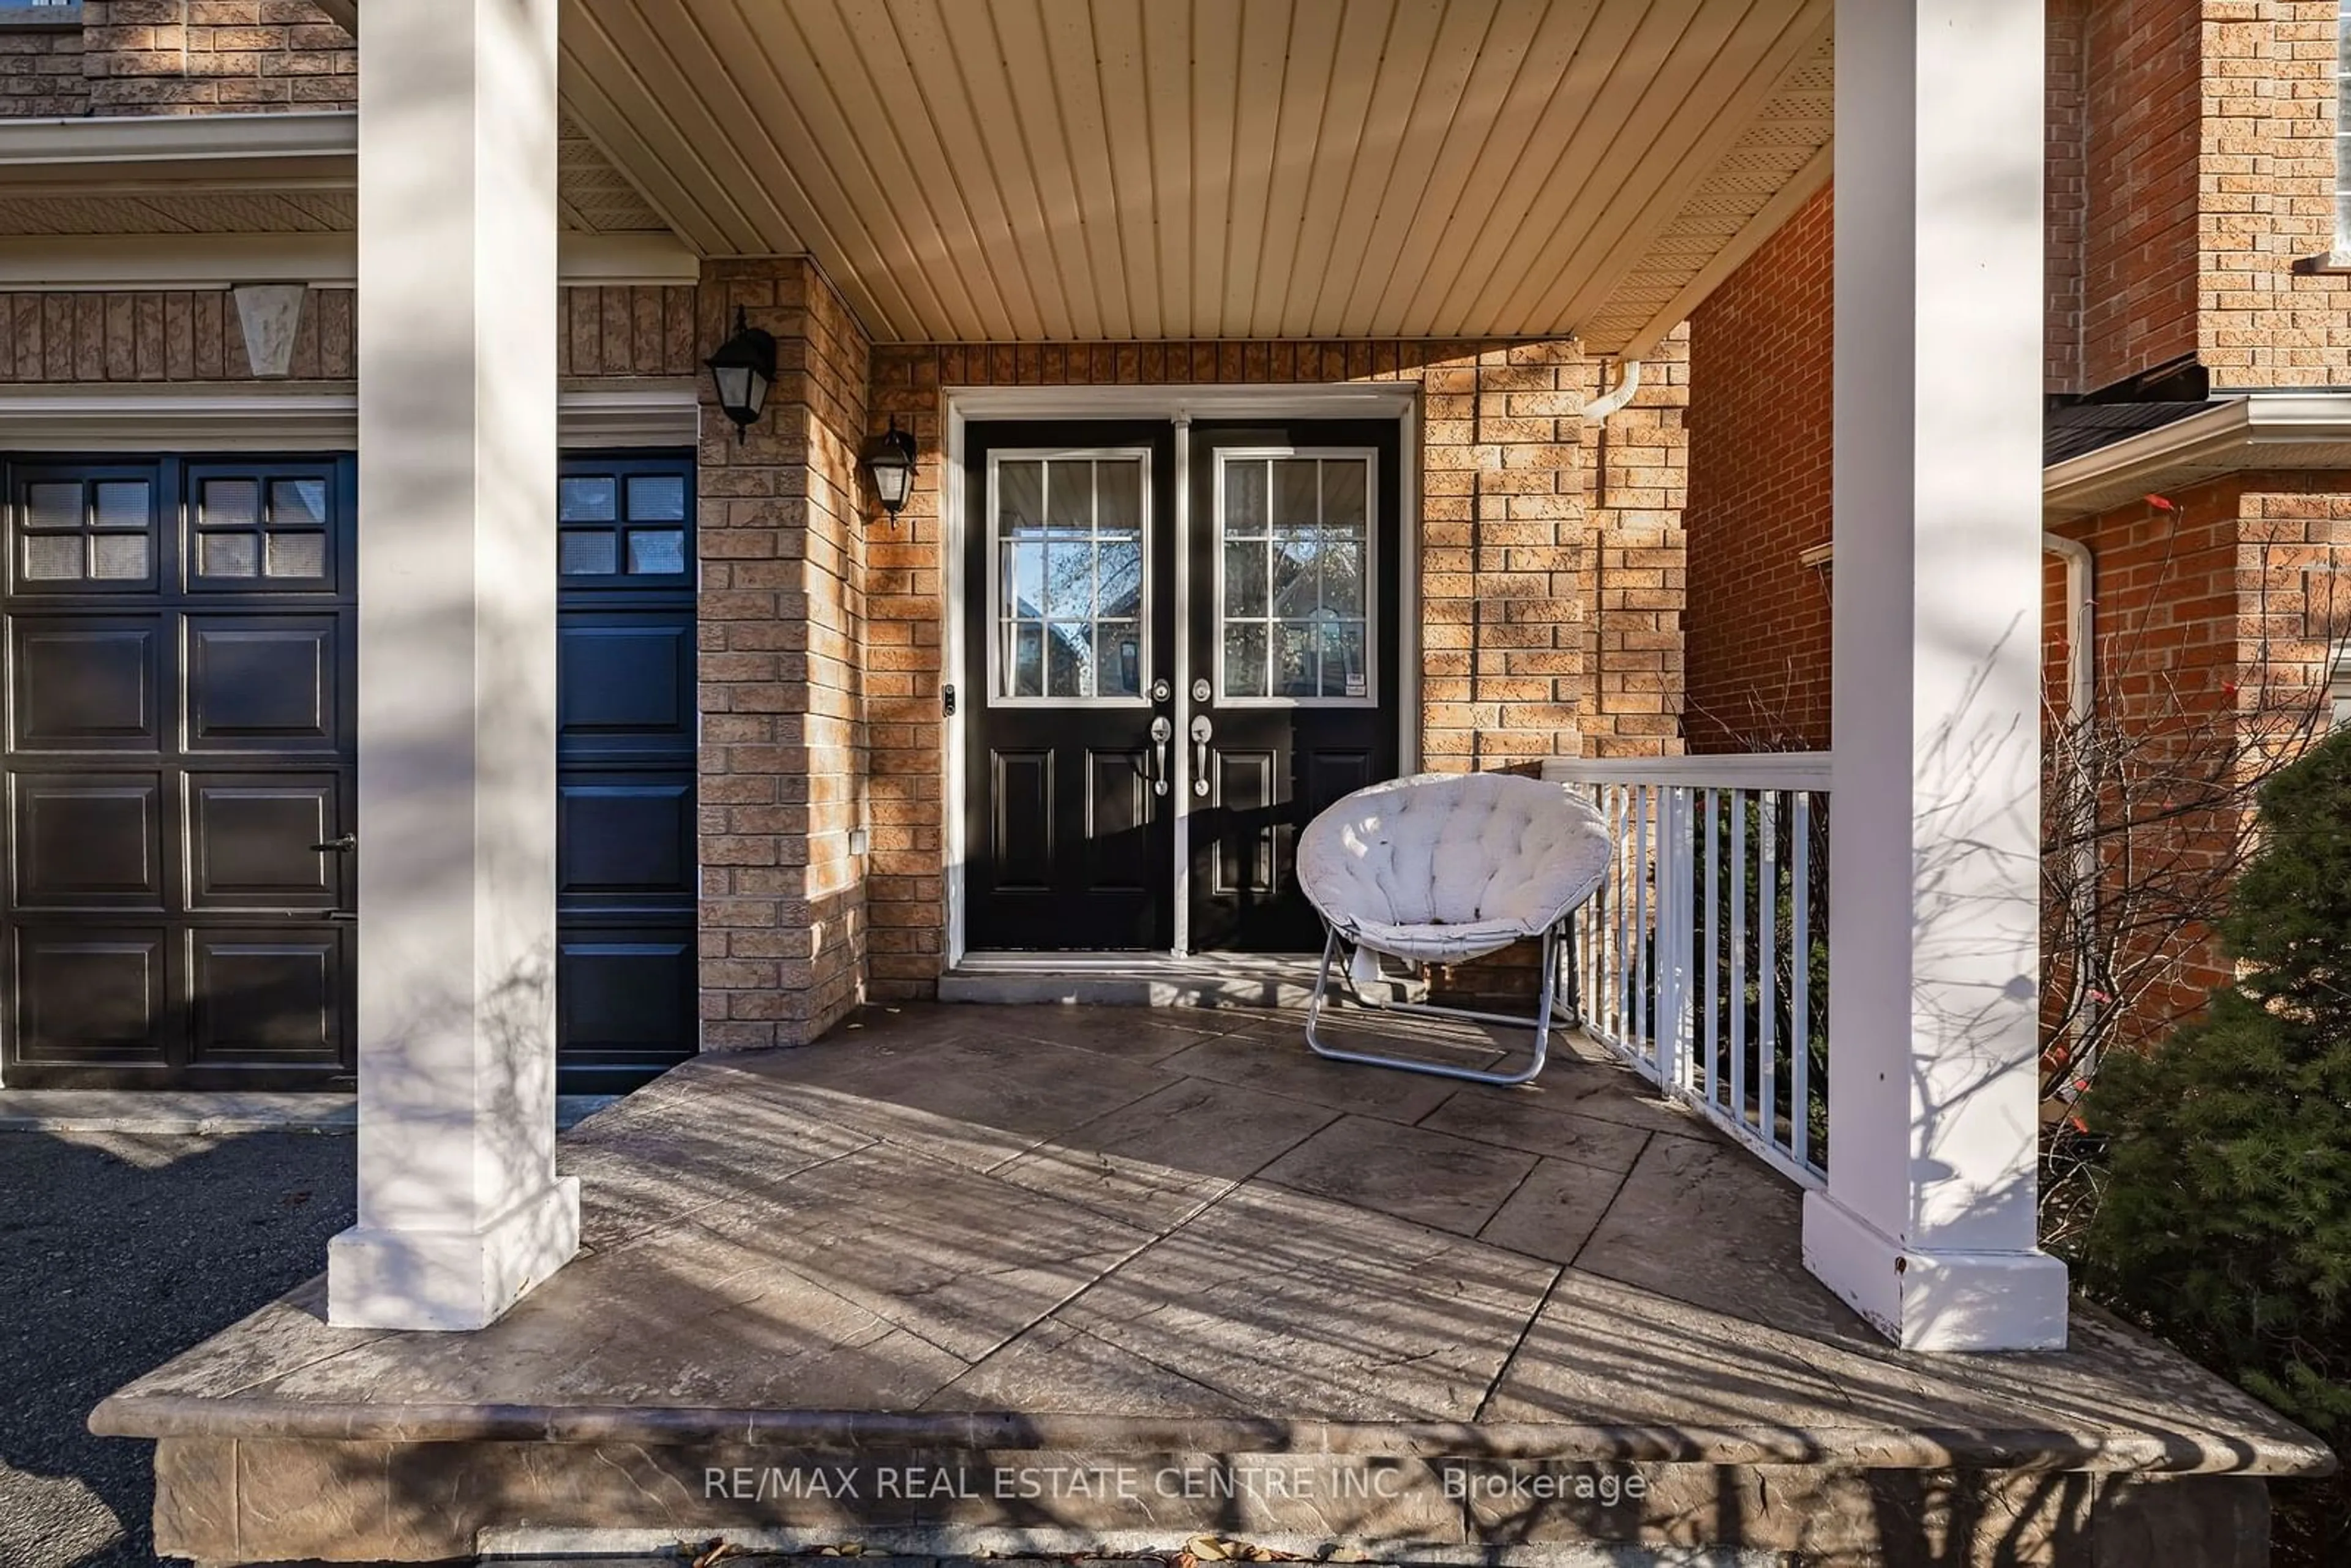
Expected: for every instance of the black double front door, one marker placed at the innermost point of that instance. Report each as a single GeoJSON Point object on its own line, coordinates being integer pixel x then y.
{"type": "Point", "coordinates": [1160, 696]}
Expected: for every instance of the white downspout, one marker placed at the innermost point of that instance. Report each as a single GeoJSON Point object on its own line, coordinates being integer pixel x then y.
{"type": "Point", "coordinates": [2081, 706]}
{"type": "Point", "coordinates": [2081, 625]}
{"type": "Point", "coordinates": [1628, 381]}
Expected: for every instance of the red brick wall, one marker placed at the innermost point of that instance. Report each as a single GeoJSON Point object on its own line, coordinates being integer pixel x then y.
{"type": "Point", "coordinates": [2065, 191]}
{"type": "Point", "coordinates": [1755, 631]}
{"type": "Point", "coordinates": [2140, 150]}
{"type": "Point", "coordinates": [1551, 574]}
{"type": "Point", "coordinates": [159, 335]}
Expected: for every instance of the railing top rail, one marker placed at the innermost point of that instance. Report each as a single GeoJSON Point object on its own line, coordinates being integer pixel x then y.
{"type": "Point", "coordinates": [1807, 771]}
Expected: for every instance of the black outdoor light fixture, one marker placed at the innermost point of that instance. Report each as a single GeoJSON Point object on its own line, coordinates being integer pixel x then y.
{"type": "Point", "coordinates": [890, 458]}
{"type": "Point", "coordinates": [745, 367]}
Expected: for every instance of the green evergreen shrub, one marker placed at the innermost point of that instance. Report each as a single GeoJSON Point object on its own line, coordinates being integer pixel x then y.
{"type": "Point", "coordinates": [2226, 1224]}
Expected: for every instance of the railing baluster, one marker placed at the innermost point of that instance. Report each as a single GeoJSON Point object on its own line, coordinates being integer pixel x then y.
{"type": "Point", "coordinates": [1799, 996]}
{"type": "Point", "coordinates": [1738, 956]}
{"type": "Point", "coordinates": [1713, 938]}
{"type": "Point", "coordinates": [1644, 951]}
{"type": "Point", "coordinates": [1767, 964]}
{"type": "Point", "coordinates": [1643, 939]}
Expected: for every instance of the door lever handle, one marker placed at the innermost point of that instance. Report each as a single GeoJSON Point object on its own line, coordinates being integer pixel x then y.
{"type": "Point", "coordinates": [1162, 729]}
{"type": "Point", "coordinates": [343, 845]}
{"type": "Point", "coordinates": [1201, 730]}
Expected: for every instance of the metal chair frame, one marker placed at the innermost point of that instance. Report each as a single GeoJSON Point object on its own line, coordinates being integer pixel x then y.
{"type": "Point", "coordinates": [1540, 1023]}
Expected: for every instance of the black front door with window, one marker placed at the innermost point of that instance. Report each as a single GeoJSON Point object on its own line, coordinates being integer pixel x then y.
{"type": "Point", "coordinates": [1070, 627]}
{"type": "Point", "coordinates": [1294, 583]}
{"type": "Point", "coordinates": [1134, 695]}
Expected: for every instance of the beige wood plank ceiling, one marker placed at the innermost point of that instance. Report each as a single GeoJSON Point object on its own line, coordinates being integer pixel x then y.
{"type": "Point", "coordinates": [994, 170]}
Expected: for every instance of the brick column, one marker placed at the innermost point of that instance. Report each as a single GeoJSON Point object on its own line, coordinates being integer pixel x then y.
{"type": "Point", "coordinates": [782, 612]}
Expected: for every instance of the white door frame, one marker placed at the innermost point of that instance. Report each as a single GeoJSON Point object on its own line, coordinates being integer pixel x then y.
{"type": "Point", "coordinates": [1180, 405]}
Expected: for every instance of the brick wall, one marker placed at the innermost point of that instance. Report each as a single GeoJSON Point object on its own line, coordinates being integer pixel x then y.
{"type": "Point", "coordinates": [159, 335]}
{"type": "Point", "coordinates": [785, 745]}
{"type": "Point", "coordinates": [1755, 631]}
{"type": "Point", "coordinates": [1551, 570]}
{"type": "Point", "coordinates": [2269, 114]}
{"type": "Point", "coordinates": [2065, 190]}
{"type": "Point", "coordinates": [213, 56]}
{"type": "Point", "coordinates": [41, 71]}
{"type": "Point", "coordinates": [193, 335]}
{"type": "Point", "coordinates": [2139, 156]}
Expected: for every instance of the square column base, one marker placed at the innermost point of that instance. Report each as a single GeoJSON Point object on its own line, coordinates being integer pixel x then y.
{"type": "Point", "coordinates": [1936, 1301]}
{"type": "Point", "coordinates": [451, 1280]}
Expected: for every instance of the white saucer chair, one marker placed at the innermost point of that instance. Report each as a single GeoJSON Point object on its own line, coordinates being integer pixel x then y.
{"type": "Point", "coordinates": [1441, 867]}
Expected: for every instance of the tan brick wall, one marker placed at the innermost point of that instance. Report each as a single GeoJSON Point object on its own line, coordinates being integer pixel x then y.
{"type": "Point", "coordinates": [41, 72]}
{"type": "Point", "coordinates": [1551, 569]}
{"type": "Point", "coordinates": [159, 335]}
{"type": "Point", "coordinates": [215, 57]}
{"type": "Point", "coordinates": [642, 330]}
{"type": "Point", "coordinates": [782, 613]}
{"type": "Point", "coordinates": [2268, 197]}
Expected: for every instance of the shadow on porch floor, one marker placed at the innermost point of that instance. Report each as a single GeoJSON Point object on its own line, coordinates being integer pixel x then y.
{"type": "Point", "coordinates": [1114, 1232]}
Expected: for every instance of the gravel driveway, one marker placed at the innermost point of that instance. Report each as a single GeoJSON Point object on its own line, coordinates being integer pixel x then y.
{"type": "Point", "coordinates": [116, 1252]}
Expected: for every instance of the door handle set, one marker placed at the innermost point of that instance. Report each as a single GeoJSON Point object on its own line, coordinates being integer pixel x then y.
{"type": "Point", "coordinates": [1201, 730]}
{"type": "Point", "coordinates": [1162, 729]}
{"type": "Point", "coordinates": [342, 846]}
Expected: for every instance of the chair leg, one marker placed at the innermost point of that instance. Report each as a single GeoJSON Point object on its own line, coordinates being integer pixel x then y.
{"type": "Point", "coordinates": [1540, 1023]}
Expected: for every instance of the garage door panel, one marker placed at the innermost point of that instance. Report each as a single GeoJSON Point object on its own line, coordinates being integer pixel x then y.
{"type": "Point", "coordinates": [85, 684]}
{"type": "Point", "coordinates": [268, 995]}
{"type": "Point", "coordinates": [264, 682]}
{"type": "Point", "coordinates": [627, 837]}
{"type": "Point", "coordinates": [87, 841]}
{"type": "Point", "coordinates": [626, 993]}
{"type": "Point", "coordinates": [252, 838]}
{"type": "Point", "coordinates": [628, 681]}
{"type": "Point", "coordinates": [93, 996]}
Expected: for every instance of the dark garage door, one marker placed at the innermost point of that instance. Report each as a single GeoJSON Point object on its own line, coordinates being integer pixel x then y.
{"type": "Point", "coordinates": [179, 768]}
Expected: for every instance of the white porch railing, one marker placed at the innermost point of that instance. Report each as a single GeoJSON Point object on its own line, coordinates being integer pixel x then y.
{"type": "Point", "coordinates": [1703, 960]}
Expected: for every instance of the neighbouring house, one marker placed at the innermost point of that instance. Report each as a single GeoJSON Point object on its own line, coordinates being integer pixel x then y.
{"type": "Point", "coordinates": [426, 676]}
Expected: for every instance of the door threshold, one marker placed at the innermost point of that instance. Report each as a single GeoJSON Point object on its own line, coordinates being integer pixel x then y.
{"type": "Point", "coordinates": [1136, 980]}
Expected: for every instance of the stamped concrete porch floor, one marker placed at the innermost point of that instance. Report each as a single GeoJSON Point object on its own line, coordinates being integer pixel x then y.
{"type": "Point", "coordinates": [1105, 1230]}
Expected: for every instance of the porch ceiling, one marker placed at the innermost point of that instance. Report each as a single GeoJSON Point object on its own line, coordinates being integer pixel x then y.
{"type": "Point", "coordinates": [991, 170]}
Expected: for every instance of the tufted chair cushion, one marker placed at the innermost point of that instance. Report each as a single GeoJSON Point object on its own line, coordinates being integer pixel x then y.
{"type": "Point", "coordinates": [1446, 866]}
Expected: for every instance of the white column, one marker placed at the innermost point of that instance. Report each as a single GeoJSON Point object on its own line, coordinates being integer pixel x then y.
{"type": "Point", "coordinates": [460, 1210]}
{"type": "Point", "coordinates": [1927, 1225]}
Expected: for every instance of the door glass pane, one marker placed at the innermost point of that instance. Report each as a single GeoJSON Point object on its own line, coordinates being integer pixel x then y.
{"type": "Point", "coordinates": [53, 558]}
{"type": "Point", "coordinates": [53, 506]}
{"type": "Point", "coordinates": [298, 555]}
{"type": "Point", "coordinates": [1297, 534]}
{"type": "Point", "coordinates": [657, 498]}
{"type": "Point", "coordinates": [230, 504]}
{"type": "Point", "coordinates": [117, 557]}
{"type": "Point", "coordinates": [657, 550]}
{"type": "Point", "coordinates": [587, 552]}
{"type": "Point", "coordinates": [227, 555]}
{"type": "Point", "coordinates": [298, 502]}
{"type": "Point", "coordinates": [1071, 602]}
{"type": "Point", "coordinates": [592, 500]}
{"type": "Point", "coordinates": [121, 503]}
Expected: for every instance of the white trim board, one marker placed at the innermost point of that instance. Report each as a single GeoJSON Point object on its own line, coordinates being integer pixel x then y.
{"type": "Point", "coordinates": [1180, 405]}
{"type": "Point", "coordinates": [2262, 430]}
{"type": "Point", "coordinates": [150, 419]}
{"type": "Point", "coordinates": [80, 262]}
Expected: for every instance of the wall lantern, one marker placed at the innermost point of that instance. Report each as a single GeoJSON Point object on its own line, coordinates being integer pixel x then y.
{"type": "Point", "coordinates": [890, 458]}
{"type": "Point", "coordinates": [745, 367]}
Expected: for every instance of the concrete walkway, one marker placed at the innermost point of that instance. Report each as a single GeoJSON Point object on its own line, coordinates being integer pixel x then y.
{"type": "Point", "coordinates": [992, 1231]}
